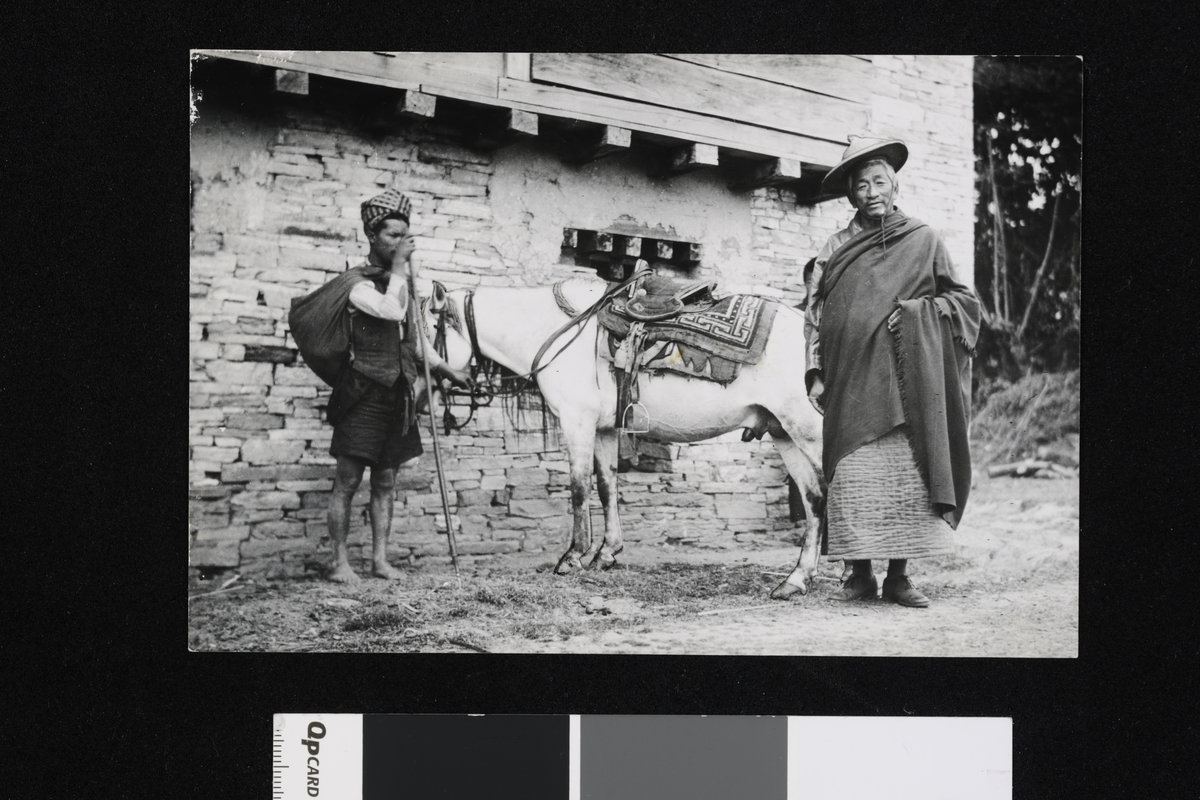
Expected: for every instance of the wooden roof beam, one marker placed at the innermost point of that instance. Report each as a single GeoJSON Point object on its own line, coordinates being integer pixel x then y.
{"type": "Point", "coordinates": [809, 190]}
{"type": "Point", "coordinates": [517, 66]}
{"type": "Point", "coordinates": [766, 173]}
{"type": "Point", "coordinates": [403, 106]}
{"type": "Point", "coordinates": [416, 105]}
{"type": "Point", "coordinates": [471, 78]}
{"type": "Point", "coordinates": [495, 131]}
{"type": "Point", "coordinates": [290, 81]}
{"type": "Point", "coordinates": [608, 140]}
{"type": "Point", "coordinates": [691, 157]}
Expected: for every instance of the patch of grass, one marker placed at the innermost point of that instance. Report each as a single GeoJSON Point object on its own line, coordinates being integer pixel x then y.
{"type": "Point", "coordinates": [669, 584]}
{"type": "Point", "coordinates": [543, 631]}
{"type": "Point", "coordinates": [376, 619]}
{"type": "Point", "coordinates": [519, 594]}
{"type": "Point", "coordinates": [1036, 410]}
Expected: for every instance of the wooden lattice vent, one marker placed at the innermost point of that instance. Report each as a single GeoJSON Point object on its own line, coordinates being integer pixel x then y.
{"type": "Point", "coordinates": [613, 255]}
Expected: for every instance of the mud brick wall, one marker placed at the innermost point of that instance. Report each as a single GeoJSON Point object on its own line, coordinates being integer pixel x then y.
{"type": "Point", "coordinates": [275, 213]}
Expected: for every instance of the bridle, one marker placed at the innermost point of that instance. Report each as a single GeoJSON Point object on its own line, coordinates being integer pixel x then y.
{"type": "Point", "coordinates": [490, 380]}
{"type": "Point", "coordinates": [482, 391]}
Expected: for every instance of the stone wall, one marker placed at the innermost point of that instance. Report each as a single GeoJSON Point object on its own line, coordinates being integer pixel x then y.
{"type": "Point", "coordinates": [275, 213]}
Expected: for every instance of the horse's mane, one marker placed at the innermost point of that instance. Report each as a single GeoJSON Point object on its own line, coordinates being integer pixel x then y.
{"type": "Point", "coordinates": [581, 281]}
{"type": "Point", "coordinates": [581, 290]}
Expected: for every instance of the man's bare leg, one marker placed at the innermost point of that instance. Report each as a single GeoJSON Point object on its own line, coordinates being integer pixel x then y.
{"type": "Point", "coordinates": [346, 481]}
{"type": "Point", "coordinates": [383, 497]}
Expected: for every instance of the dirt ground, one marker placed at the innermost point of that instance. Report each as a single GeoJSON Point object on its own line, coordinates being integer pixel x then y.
{"type": "Point", "coordinates": [1011, 590]}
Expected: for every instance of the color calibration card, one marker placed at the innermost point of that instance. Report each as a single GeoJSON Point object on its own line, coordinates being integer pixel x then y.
{"type": "Point", "coordinates": [546, 757]}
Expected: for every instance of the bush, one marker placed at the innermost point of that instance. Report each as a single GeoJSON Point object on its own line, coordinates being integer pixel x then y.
{"type": "Point", "coordinates": [1016, 419]}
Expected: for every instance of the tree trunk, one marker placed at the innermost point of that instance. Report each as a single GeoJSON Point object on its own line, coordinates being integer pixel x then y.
{"type": "Point", "coordinates": [999, 257]}
{"type": "Point", "coordinates": [1037, 279]}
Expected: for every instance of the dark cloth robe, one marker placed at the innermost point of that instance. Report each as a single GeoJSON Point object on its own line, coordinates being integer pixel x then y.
{"type": "Point", "coordinates": [919, 375]}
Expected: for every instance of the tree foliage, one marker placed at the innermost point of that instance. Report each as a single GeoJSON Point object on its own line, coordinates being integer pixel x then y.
{"type": "Point", "coordinates": [1028, 138]}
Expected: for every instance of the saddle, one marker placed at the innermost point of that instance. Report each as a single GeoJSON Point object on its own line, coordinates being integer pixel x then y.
{"type": "Point", "coordinates": [680, 326]}
{"type": "Point", "coordinates": [639, 338]}
{"type": "Point", "coordinates": [652, 298]}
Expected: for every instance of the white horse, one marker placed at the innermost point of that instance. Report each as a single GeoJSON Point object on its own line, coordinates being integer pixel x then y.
{"type": "Point", "coordinates": [511, 325]}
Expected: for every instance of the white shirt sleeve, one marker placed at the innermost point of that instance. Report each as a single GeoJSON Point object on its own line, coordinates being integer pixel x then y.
{"type": "Point", "coordinates": [391, 304]}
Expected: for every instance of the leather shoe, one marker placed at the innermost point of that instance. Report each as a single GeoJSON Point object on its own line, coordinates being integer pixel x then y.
{"type": "Point", "coordinates": [899, 590]}
{"type": "Point", "coordinates": [857, 587]}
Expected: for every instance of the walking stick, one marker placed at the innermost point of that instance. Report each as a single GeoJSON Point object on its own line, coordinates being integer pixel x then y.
{"type": "Point", "coordinates": [437, 453]}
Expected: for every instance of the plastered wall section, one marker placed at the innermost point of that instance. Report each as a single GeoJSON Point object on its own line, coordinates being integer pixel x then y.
{"type": "Point", "coordinates": [275, 213]}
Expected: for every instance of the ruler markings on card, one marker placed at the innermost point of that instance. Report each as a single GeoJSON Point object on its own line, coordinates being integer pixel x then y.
{"type": "Point", "coordinates": [317, 755]}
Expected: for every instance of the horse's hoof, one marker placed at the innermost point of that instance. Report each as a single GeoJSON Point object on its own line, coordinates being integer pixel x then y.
{"type": "Point", "coordinates": [603, 561]}
{"type": "Point", "coordinates": [785, 590]}
{"type": "Point", "coordinates": [566, 565]}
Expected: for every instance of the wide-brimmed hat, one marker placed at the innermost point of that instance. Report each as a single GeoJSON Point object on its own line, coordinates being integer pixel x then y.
{"type": "Point", "coordinates": [862, 148]}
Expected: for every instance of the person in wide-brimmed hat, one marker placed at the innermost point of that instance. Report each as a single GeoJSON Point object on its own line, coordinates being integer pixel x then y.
{"type": "Point", "coordinates": [862, 149]}
{"type": "Point", "coordinates": [372, 408]}
{"type": "Point", "coordinates": [890, 333]}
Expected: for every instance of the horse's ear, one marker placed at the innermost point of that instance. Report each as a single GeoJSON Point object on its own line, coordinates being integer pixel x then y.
{"type": "Point", "coordinates": [437, 300]}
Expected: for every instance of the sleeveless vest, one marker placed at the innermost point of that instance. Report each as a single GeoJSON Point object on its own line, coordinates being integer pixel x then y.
{"type": "Point", "coordinates": [376, 344]}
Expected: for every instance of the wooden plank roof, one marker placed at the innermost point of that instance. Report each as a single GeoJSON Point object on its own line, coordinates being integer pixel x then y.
{"type": "Point", "coordinates": [779, 106]}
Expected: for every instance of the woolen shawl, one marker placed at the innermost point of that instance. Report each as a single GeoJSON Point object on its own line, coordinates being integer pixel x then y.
{"type": "Point", "coordinates": [865, 365]}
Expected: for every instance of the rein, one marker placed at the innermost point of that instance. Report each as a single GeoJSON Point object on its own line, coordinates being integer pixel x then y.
{"type": "Point", "coordinates": [482, 395]}
{"type": "Point", "coordinates": [580, 320]}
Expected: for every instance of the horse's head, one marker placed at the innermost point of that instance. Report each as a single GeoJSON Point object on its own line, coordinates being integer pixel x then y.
{"type": "Point", "coordinates": [445, 325]}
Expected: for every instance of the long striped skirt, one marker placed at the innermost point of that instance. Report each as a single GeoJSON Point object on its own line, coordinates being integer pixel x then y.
{"type": "Point", "coordinates": [879, 507]}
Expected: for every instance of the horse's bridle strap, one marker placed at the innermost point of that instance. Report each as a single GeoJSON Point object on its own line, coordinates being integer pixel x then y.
{"type": "Point", "coordinates": [576, 319]}
{"type": "Point", "coordinates": [580, 320]}
{"type": "Point", "coordinates": [469, 313]}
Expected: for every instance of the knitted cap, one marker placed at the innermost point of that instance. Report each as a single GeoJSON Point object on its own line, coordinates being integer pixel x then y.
{"type": "Point", "coordinates": [390, 203]}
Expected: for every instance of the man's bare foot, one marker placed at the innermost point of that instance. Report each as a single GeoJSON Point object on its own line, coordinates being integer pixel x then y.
{"type": "Point", "coordinates": [343, 574]}
{"type": "Point", "coordinates": [382, 569]}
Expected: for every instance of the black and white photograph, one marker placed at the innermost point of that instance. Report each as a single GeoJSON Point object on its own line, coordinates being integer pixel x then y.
{"type": "Point", "coordinates": [634, 353]}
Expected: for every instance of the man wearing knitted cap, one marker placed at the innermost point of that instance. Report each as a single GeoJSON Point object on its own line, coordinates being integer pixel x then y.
{"type": "Point", "coordinates": [890, 332]}
{"type": "Point", "coordinates": [372, 407]}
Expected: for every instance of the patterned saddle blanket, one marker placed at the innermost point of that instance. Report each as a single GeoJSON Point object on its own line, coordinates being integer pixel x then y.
{"type": "Point", "coordinates": [710, 343]}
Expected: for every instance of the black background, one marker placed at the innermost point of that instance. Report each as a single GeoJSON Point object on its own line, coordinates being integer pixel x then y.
{"type": "Point", "coordinates": [102, 697]}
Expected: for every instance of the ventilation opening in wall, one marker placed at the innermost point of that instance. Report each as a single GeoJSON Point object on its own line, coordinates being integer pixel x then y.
{"type": "Point", "coordinates": [612, 255]}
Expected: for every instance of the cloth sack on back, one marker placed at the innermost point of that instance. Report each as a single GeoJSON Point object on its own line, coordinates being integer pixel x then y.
{"type": "Point", "coordinates": [320, 323]}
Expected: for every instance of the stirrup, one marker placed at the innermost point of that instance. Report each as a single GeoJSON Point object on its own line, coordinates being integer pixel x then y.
{"type": "Point", "coordinates": [641, 419]}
